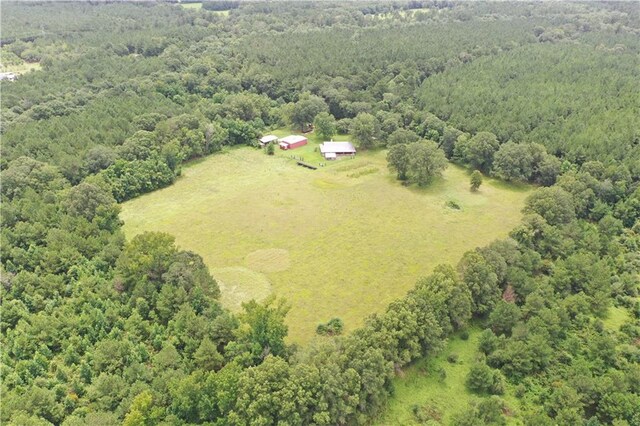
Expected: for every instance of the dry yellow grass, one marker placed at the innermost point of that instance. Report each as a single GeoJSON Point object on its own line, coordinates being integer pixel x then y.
{"type": "Point", "coordinates": [354, 243]}
{"type": "Point", "coordinates": [268, 260]}
{"type": "Point", "coordinates": [239, 285]}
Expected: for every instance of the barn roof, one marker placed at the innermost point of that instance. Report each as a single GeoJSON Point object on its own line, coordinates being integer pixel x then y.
{"type": "Point", "coordinates": [337, 147]}
{"type": "Point", "coordinates": [293, 139]}
{"type": "Point", "coordinates": [268, 138]}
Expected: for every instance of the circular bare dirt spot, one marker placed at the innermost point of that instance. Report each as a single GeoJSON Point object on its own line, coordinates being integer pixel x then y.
{"type": "Point", "coordinates": [239, 285]}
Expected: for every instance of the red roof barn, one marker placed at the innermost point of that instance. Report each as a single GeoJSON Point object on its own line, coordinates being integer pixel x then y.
{"type": "Point", "coordinates": [293, 141]}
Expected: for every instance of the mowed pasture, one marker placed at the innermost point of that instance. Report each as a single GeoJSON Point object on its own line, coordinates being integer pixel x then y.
{"type": "Point", "coordinates": [341, 241]}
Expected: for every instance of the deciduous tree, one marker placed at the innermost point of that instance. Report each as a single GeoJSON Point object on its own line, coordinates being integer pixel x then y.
{"type": "Point", "coordinates": [478, 151]}
{"type": "Point", "coordinates": [398, 160]}
{"type": "Point", "coordinates": [365, 130]}
{"type": "Point", "coordinates": [426, 161]}
{"type": "Point", "coordinates": [476, 180]}
{"type": "Point", "coordinates": [306, 109]}
{"type": "Point", "coordinates": [325, 125]}
{"type": "Point", "coordinates": [553, 204]}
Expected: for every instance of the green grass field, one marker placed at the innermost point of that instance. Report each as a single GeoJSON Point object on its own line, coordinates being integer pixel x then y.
{"type": "Point", "coordinates": [420, 386]}
{"type": "Point", "coordinates": [341, 241]}
{"type": "Point", "coordinates": [196, 6]}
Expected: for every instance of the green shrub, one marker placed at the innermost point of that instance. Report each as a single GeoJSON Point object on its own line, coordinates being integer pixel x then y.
{"type": "Point", "coordinates": [453, 205]}
{"type": "Point", "coordinates": [332, 328]}
{"type": "Point", "coordinates": [270, 149]}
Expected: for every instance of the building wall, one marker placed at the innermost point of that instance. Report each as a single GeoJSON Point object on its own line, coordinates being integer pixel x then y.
{"type": "Point", "coordinates": [297, 144]}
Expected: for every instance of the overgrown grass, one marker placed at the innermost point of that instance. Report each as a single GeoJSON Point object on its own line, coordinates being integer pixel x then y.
{"type": "Point", "coordinates": [422, 389]}
{"type": "Point", "coordinates": [616, 317]}
{"type": "Point", "coordinates": [21, 68]}
{"type": "Point", "coordinates": [363, 172]}
{"type": "Point", "coordinates": [340, 246]}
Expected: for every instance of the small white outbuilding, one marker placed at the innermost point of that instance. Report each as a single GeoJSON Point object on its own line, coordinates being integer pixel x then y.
{"type": "Point", "coordinates": [266, 140]}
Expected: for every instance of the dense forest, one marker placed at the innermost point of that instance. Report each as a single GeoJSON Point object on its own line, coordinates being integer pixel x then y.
{"type": "Point", "coordinates": [100, 330]}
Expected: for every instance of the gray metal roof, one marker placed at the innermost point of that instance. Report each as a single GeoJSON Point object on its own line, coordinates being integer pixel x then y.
{"type": "Point", "coordinates": [268, 138]}
{"type": "Point", "coordinates": [337, 147]}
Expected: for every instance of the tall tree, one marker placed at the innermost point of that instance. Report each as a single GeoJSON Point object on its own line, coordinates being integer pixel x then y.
{"type": "Point", "coordinates": [398, 160]}
{"type": "Point", "coordinates": [418, 162]}
{"type": "Point", "coordinates": [481, 280]}
{"type": "Point", "coordinates": [402, 136]}
{"type": "Point", "coordinates": [306, 109]}
{"type": "Point", "coordinates": [476, 180]}
{"type": "Point", "coordinates": [262, 332]}
{"type": "Point", "coordinates": [365, 130]}
{"type": "Point", "coordinates": [325, 125]}
{"type": "Point", "coordinates": [426, 161]}
{"type": "Point", "coordinates": [478, 150]}
{"type": "Point", "coordinates": [554, 204]}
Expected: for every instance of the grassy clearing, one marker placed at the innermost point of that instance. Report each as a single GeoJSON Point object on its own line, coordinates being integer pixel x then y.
{"type": "Point", "coordinates": [239, 284]}
{"type": "Point", "coordinates": [269, 260]}
{"type": "Point", "coordinates": [421, 386]}
{"type": "Point", "coordinates": [341, 246]}
{"type": "Point", "coordinates": [616, 317]}
{"type": "Point", "coordinates": [22, 68]}
{"type": "Point", "coordinates": [196, 6]}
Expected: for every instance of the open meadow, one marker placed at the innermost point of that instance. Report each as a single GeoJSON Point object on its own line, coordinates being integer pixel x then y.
{"type": "Point", "coordinates": [19, 67]}
{"type": "Point", "coordinates": [196, 6]}
{"type": "Point", "coordinates": [341, 241]}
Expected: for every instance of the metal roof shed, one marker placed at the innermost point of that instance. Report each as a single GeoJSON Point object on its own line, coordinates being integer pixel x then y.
{"type": "Point", "coordinates": [268, 139]}
{"type": "Point", "coordinates": [331, 150]}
